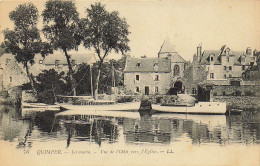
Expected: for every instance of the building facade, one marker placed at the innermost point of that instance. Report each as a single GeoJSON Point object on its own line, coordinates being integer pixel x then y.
{"type": "Point", "coordinates": [178, 64]}
{"type": "Point", "coordinates": [155, 75]}
{"type": "Point", "coordinates": [147, 76]}
{"type": "Point", "coordinates": [13, 73]}
{"type": "Point", "coordinates": [225, 66]}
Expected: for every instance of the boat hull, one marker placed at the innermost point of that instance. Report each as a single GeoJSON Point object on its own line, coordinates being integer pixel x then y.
{"type": "Point", "coordinates": [115, 107]}
{"type": "Point", "coordinates": [198, 108]}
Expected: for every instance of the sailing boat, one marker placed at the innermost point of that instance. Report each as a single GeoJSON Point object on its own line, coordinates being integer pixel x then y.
{"type": "Point", "coordinates": [88, 103]}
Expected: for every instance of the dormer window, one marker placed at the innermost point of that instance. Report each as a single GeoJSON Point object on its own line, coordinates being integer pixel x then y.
{"type": "Point", "coordinates": [56, 62]}
{"type": "Point", "coordinates": [243, 59]}
{"type": "Point", "coordinates": [227, 51]}
{"type": "Point", "coordinates": [8, 60]}
{"type": "Point", "coordinates": [138, 64]}
{"type": "Point", "coordinates": [156, 66]}
{"type": "Point", "coordinates": [73, 62]}
{"type": "Point", "coordinates": [211, 58]}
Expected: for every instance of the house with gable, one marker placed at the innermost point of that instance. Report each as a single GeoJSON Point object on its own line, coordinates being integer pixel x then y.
{"type": "Point", "coordinates": [178, 64]}
{"type": "Point", "coordinates": [225, 66]}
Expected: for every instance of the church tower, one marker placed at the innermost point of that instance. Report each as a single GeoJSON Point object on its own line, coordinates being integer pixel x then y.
{"type": "Point", "coordinates": [167, 49]}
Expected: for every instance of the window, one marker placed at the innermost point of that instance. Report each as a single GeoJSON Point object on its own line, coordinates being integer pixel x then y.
{"type": "Point", "coordinates": [230, 76]}
{"type": "Point", "coordinates": [211, 58]}
{"type": "Point", "coordinates": [156, 78]}
{"type": "Point", "coordinates": [40, 61]}
{"type": "Point", "coordinates": [138, 64]}
{"type": "Point", "coordinates": [243, 59]}
{"type": "Point", "coordinates": [7, 60]}
{"type": "Point", "coordinates": [156, 90]}
{"type": "Point", "coordinates": [225, 76]}
{"type": "Point", "coordinates": [137, 90]}
{"type": "Point", "coordinates": [176, 70]}
{"type": "Point", "coordinates": [230, 68]}
{"type": "Point", "coordinates": [243, 67]}
{"type": "Point", "coordinates": [212, 75]}
{"type": "Point", "coordinates": [155, 66]}
{"type": "Point", "coordinates": [225, 67]}
{"type": "Point", "coordinates": [227, 59]}
{"type": "Point", "coordinates": [10, 79]}
{"type": "Point", "coordinates": [137, 77]}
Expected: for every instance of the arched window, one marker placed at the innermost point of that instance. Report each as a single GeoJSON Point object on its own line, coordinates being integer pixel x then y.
{"type": "Point", "coordinates": [176, 70]}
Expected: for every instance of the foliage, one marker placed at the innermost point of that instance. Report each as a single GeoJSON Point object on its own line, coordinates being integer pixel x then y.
{"type": "Point", "coordinates": [60, 20]}
{"type": "Point", "coordinates": [104, 31]}
{"type": "Point", "coordinates": [82, 77]}
{"type": "Point", "coordinates": [50, 84]}
{"type": "Point", "coordinates": [123, 99]}
{"type": "Point", "coordinates": [249, 93]}
{"type": "Point", "coordinates": [24, 41]}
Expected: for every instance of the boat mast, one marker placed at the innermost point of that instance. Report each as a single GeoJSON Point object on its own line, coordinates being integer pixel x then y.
{"type": "Point", "coordinates": [91, 82]}
{"type": "Point", "coordinates": [113, 77]}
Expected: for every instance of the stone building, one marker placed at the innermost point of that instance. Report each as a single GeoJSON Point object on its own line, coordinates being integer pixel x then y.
{"type": "Point", "coordinates": [225, 66]}
{"type": "Point", "coordinates": [155, 75]}
{"type": "Point", "coordinates": [13, 73]}
{"type": "Point", "coordinates": [178, 64]}
{"type": "Point", "coordinates": [147, 75]}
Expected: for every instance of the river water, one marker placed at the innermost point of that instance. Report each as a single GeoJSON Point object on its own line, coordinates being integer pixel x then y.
{"type": "Point", "coordinates": [27, 131]}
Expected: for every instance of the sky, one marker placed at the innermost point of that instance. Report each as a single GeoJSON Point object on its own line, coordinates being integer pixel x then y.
{"type": "Point", "coordinates": [187, 23]}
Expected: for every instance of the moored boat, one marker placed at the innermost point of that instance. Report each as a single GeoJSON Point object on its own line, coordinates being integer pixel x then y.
{"type": "Point", "coordinates": [198, 108]}
{"type": "Point", "coordinates": [130, 106]}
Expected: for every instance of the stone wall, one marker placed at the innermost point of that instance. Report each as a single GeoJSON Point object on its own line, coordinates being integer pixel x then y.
{"type": "Point", "coordinates": [239, 102]}
{"type": "Point", "coordinates": [147, 79]}
{"type": "Point", "coordinates": [228, 90]}
{"type": "Point", "coordinates": [28, 96]}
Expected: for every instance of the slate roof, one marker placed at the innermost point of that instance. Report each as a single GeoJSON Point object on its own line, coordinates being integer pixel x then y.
{"type": "Point", "coordinates": [177, 58]}
{"type": "Point", "coordinates": [79, 58]}
{"type": "Point", "coordinates": [148, 65]}
{"type": "Point", "coordinates": [167, 46]}
{"type": "Point", "coordinates": [205, 59]}
{"type": "Point", "coordinates": [2, 51]}
{"type": "Point", "coordinates": [218, 54]}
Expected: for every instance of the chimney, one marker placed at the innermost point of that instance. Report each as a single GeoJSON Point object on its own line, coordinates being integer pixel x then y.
{"type": "Point", "coordinates": [248, 51]}
{"type": "Point", "coordinates": [199, 52]}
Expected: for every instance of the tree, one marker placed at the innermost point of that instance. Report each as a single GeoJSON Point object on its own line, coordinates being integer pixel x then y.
{"type": "Point", "coordinates": [60, 20]}
{"type": "Point", "coordinates": [25, 41]}
{"type": "Point", "coordinates": [50, 84]}
{"type": "Point", "coordinates": [104, 31]}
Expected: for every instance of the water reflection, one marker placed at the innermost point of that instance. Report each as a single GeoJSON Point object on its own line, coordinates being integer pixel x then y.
{"type": "Point", "coordinates": [31, 127]}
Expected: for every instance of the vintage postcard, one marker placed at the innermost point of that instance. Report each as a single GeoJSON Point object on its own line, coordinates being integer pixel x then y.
{"type": "Point", "coordinates": [120, 82]}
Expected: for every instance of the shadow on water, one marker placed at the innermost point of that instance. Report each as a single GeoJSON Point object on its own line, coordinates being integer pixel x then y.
{"type": "Point", "coordinates": [25, 129]}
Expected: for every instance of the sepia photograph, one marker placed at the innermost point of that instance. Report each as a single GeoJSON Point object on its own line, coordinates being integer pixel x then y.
{"type": "Point", "coordinates": [125, 83]}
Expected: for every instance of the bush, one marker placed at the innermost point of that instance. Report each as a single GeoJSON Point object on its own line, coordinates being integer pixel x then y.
{"type": "Point", "coordinates": [249, 93]}
{"type": "Point", "coordinates": [237, 93]}
{"type": "Point", "coordinates": [4, 94]}
{"type": "Point", "coordinates": [123, 99]}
